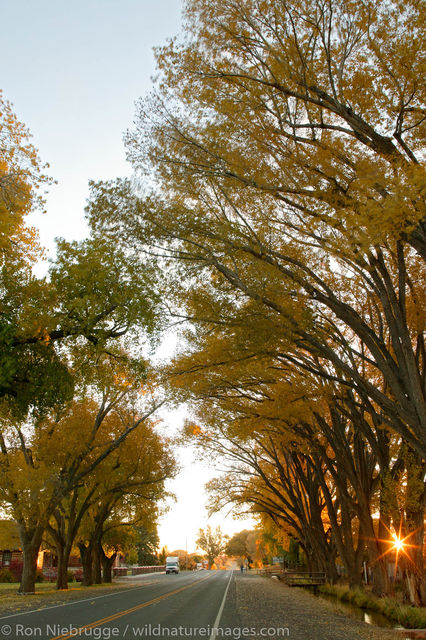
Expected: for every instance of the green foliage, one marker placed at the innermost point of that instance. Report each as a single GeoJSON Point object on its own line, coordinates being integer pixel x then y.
{"type": "Point", "coordinates": [163, 555]}
{"type": "Point", "coordinates": [293, 550]}
{"type": "Point", "coordinates": [237, 545]}
{"type": "Point", "coordinates": [6, 576]}
{"type": "Point", "coordinates": [103, 292]}
{"type": "Point", "coordinates": [131, 556]}
{"type": "Point", "coordinates": [146, 546]}
{"type": "Point", "coordinates": [273, 546]}
{"type": "Point", "coordinates": [38, 379]}
{"type": "Point", "coordinates": [94, 294]}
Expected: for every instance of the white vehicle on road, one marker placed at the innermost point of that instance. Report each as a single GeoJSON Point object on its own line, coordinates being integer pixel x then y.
{"type": "Point", "coordinates": [172, 564]}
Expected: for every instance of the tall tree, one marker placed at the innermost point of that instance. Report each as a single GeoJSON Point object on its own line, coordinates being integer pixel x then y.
{"type": "Point", "coordinates": [125, 489]}
{"type": "Point", "coordinates": [284, 142]}
{"type": "Point", "coordinates": [147, 545]}
{"type": "Point", "coordinates": [22, 178]}
{"type": "Point", "coordinates": [93, 292]}
{"type": "Point", "coordinates": [212, 542]}
{"type": "Point", "coordinates": [280, 180]}
{"type": "Point", "coordinates": [237, 545]}
{"type": "Point", "coordinates": [53, 456]}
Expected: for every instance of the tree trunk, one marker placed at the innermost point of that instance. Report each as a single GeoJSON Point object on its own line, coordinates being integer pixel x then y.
{"type": "Point", "coordinates": [412, 555]}
{"type": "Point", "coordinates": [309, 563]}
{"type": "Point", "coordinates": [64, 533]}
{"type": "Point", "coordinates": [31, 542]}
{"type": "Point", "coordinates": [331, 570]}
{"type": "Point", "coordinates": [107, 564]}
{"type": "Point", "coordinates": [63, 553]}
{"type": "Point", "coordinates": [379, 576]}
{"type": "Point", "coordinates": [97, 574]}
{"type": "Point", "coordinates": [414, 587]}
{"type": "Point", "coordinates": [86, 554]}
{"type": "Point", "coordinates": [377, 562]}
{"type": "Point", "coordinates": [342, 534]}
{"type": "Point", "coordinates": [354, 575]}
{"type": "Point", "coordinates": [29, 570]}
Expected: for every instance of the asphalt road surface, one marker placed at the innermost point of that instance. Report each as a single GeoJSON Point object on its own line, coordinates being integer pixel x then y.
{"type": "Point", "coordinates": [208, 605]}
{"type": "Point", "coordinates": [185, 605]}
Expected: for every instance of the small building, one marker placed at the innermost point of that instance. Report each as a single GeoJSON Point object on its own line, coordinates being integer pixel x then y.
{"type": "Point", "coordinates": [11, 555]}
{"type": "Point", "coordinates": [10, 544]}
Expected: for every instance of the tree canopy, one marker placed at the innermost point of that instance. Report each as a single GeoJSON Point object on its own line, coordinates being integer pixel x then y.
{"type": "Point", "coordinates": [212, 542]}
{"type": "Point", "coordinates": [76, 393]}
{"type": "Point", "coordinates": [284, 145]}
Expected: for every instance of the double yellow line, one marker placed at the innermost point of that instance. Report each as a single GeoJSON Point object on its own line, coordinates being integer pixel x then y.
{"type": "Point", "coordinates": [120, 614]}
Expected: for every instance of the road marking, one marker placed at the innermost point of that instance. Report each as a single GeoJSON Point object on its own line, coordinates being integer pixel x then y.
{"type": "Point", "coordinates": [66, 604]}
{"type": "Point", "coordinates": [120, 614]}
{"type": "Point", "coordinates": [219, 613]}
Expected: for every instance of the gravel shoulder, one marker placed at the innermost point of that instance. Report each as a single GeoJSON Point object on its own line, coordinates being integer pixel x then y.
{"type": "Point", "coordinates": [267, 603]}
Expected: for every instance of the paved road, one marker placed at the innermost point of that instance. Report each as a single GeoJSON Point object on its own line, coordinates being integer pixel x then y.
{"type": "Point", "coordinates": [203, 605]}
{"type": "Point", "coordinates": [161, 606]}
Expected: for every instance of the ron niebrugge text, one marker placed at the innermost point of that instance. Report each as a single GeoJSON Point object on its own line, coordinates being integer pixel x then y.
{"type": "Point", "coordinates": [145, 631]}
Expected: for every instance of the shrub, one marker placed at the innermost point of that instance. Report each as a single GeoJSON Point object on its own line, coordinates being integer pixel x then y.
{"type": "Point", "coordinates": [39, 576]}
{"type": "Point", "coordinates": [412, 618]}
{"type": "Point", "coordinates": [409, 617]}
{"type": "Point", "coordinates": [6, 576]}
{"type": "Point", "coordinates": [16, 567]}
{"type": "Point", "coordinates": [50, 574]}
{"type": "Point", "coordinates": [361, 599]}
{"type": "Point", "coordinates": [78, 575]}
{"type": "Point", "coordinates": [70, 576]}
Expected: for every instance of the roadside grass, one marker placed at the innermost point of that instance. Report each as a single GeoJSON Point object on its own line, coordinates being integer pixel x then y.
{"type": "Point", "coordinates": [407, 616]}
{"type": "Point", "coordinates": [49, 587]}
{"type": "Point", "coordinates": [12, 587]}
{"type": "Point", "coordinates": [46, 594]}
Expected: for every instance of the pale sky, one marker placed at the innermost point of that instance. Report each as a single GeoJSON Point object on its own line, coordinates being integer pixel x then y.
{"type": "Point", "coordinates": [73, 71]}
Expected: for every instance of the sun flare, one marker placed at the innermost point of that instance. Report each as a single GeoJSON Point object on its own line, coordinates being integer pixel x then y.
{"type": "Point", "coordinates": [397, 543]}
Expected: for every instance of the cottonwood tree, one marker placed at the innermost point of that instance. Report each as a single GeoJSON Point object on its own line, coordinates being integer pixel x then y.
{"type": "Point", "coordinates": [246, 544]}
{"type": "Point", "coordinates": [284, 143]}
{"type": "Point", "coordinates": [250, 397]}
{"type": "Point", "coordinates": [22, 180]}
{"type": "Point", "coordinates": [277, 482]}
{"type": "Point", "coordinates": [93, 295]}
{"type": "Point", "coordinates": [92, 292]}
{"type": "Point", "coordinates": [212, 542]}
{"type": "Point", "coordinates": [43, 462]}
{"type": "Point", "coordinates": [130, 495]}
{"type": "Point", "coordinates": [147, 543]}
{"type": "Point", "coordinates": [237, 545]}
{"type": "Point", "coordinates": [286, 153]}
{"type": "Point", "coordinates": [125, 489]}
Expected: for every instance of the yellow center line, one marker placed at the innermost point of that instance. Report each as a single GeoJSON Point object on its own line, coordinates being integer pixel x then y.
{"type": "Point", "coordinates": [120, 614]}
